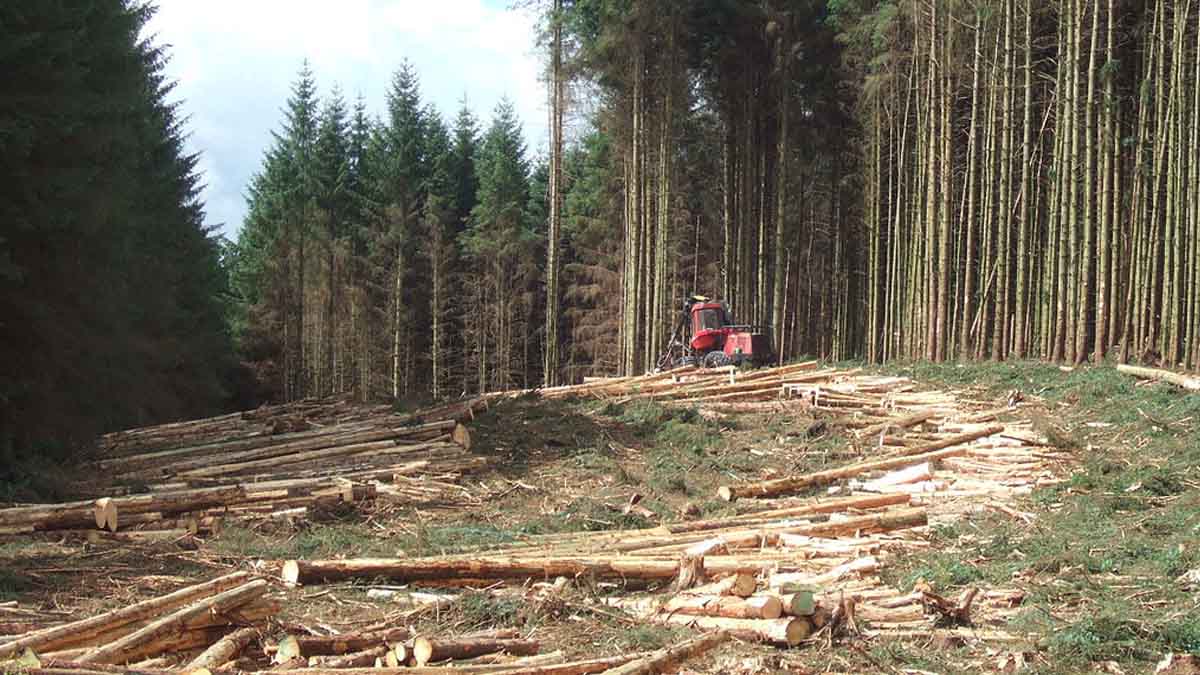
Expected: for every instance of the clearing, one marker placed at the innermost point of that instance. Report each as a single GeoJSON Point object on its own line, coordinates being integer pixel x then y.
{"type": "Point", "coordinates": [912, 518]}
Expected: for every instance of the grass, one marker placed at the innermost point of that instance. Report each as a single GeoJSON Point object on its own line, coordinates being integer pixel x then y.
{"type": "Point", "coordinates": [1101, 564]}
{"type": "Point", "coordinates": [318, 541]}
{"type": "Point", "coordinates": [13, 584]}
{"type": "Point", "coordinates": [685, 453]}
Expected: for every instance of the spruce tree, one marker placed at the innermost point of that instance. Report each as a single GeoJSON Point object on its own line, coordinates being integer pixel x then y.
{"type": "Point", "coordinates": [501, 245]}
{"type": "Point", "coordinates": [110, 285]}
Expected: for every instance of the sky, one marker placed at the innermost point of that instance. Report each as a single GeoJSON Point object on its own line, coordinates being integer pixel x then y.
{"type": "Point", "coordinates": [234, 62]}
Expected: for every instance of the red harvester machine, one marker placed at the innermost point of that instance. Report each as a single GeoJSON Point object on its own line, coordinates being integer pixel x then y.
{"type": "Point", "coordinates": [707, 336]}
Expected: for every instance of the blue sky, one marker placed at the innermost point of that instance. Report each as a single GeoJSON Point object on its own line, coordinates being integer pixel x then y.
{"type": "Point", "coordinates": [235, 61]}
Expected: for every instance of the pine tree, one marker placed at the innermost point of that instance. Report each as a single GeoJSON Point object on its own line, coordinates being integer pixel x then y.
{"type": "Point", "coordinates": [498, 241]}
{"type": "Point", "coordinates": [438, 234]}
{"type": "Point", "coordinates": [400, 183]}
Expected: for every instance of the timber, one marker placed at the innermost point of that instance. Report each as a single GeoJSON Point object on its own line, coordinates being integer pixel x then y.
{"type": "Point", "coordinates": [224, 650]}
{"type": "Point", "coordinates": [124, 649]}
{"type": "Point", "coordinates": [789, 631]}
{"type": "Point", "coordinates": [755, 607]}
{"type": "Point", "coordinates": [50, 639]}
{"type": "Point", "coordinates": [780, 486]}
{"type": "Point", "coordinates": [670, 658]}
{"type": "Point", "coordinates": [429, 650]}
{"type": "Point", "coordinates": [1188, 382]}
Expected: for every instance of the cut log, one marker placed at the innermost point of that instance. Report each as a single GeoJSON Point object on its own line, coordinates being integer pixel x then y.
{"type": "Point", "coordinates": [386, 445]}
{"type": "Point", "coordinates": [51, 639]}
{"type": "Point", "coordinates": [830, 506]}
{"type": "Point", "coordinates": [771, 535]}
{"type": "Point", "coordinates": [461, 436]}
{"type": "Point", "coordinates": [224, 650]}
{"type": "Point", "coordinates": [799, 603]}
{"type": "Point", "coordinates": [899, 423]}
{"type": "Point", "coordinates": [788, 580]}
{"type": "Point", "coordinates": [327, 645]}
{"type": "Point", "coordinates": [429, 569]}
{"type": "Point", "coordinates": [741, 584]}
{"type": "Point", "coordinates": [358, 659]}
{"type": "Point", "coordinates": [106, 514]}
{"type": "Point", "coordinates": [124, 649]}
{"type": "Point", "coordinates": [912, 474]}
{"type": "Point", "coordinates": [950, 441]}
{"type": "Point", "coordinates": [431, 650]}
{"type": "Point", "coordinates": [787, 631]}
{"type": "Point", "coordinates": [668, 659]}
{"type": "Point", "coordinates": [1178, 379]}
{"type": "Point", "coordinates": [780, 486]}
{"type": "Point", "coordinates": [754, 607]}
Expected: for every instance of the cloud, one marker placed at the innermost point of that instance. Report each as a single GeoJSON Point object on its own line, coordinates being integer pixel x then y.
{"type": "Point", "coordinates": [235, 60]}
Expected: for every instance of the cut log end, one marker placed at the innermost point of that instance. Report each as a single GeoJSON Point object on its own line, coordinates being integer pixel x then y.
{"type": "Point", "coordinates": [726, 492]}
{"type": "Point", "coordinates": [768, 606]}
{"type": "Point", "coordinates": [422, 651]}
{"type": "Point", "coordinates": [288, 650]}
{"type": "Point", "coordinates": [290, 573]}
{"type": "Point", "coordinates": [105, 511]}
{"type": "Point", "coordinates": [797, 631]}
{"type": "Point", "coordinates": [462, 436]}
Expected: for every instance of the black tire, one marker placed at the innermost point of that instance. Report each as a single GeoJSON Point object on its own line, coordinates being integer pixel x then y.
{"type": "Point", "coordinates": [716, 360]}
{"type": "Point", "coordinates": [685, 361]}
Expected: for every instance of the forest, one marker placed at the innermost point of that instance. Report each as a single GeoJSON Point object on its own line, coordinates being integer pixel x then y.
{"type": "Point", "coordinates": [875, 180]}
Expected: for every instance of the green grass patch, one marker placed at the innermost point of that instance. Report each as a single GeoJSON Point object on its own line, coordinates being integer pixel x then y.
{"type": "Point", "coordinates": [318, 541]}
{"type": "Point", "coordinates": [455, 538]}
{"type": "Point", "coordinates": [1101, 564]}
{"type": "Point", "coordinates": [484, 610]}
{"type": "Point", "coordinates": [647, 637]}
{"type": "Point", "coordinates": [13, 584]}
{"type": "Point", "coordinates": [584, 515]}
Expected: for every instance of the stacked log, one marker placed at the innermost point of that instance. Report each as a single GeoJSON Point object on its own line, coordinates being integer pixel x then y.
{"type": "Point", "coordinates": [197, 616]}
{"type": "Point", "coordinates": [277, 462]}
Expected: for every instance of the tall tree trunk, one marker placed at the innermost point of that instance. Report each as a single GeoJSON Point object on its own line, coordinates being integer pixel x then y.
{"type": "Point", "coordinates": [783, 59]}
{"type": "Point", "coordinates": [1106, 187]}
{"type": "Point", "coordinates": [550, 367]}
{"type": "Point", "coordinates": [1087, 253]}
{"type": "Point", "coordinates": [969, 271]}
{"type": "Point", "coordinates": [1027, 212]}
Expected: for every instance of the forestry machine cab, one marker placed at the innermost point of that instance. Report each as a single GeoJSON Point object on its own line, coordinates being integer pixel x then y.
{"type": "Point", "coordinates": [707, 336]}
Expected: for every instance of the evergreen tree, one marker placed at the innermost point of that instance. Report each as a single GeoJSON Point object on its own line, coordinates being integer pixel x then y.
{"type": "Point", "coordinates": [401, 178]}
{"type": "Point", "coordinates": [439, 225]}
{"type": "Point", "coordinates": [333, 198]}
{"type": "Point", "coordinates": [272, 248]}
{"type": "Point", "coordinates": [501, 245]}
{"type": "Point", "coordinates": [462, 167]}
{"type": "Point", "coordinates": [110, 286]}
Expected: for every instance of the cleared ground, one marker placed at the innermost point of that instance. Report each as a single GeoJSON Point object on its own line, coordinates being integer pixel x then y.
{"type": "Point", "coordinates": [1102, 558]}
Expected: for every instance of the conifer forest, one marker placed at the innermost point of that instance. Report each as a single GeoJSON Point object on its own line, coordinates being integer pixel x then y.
{"type": "Point", "coordinates": [891, 180]}
{"type": "Point", "coordinates": [627, 337]}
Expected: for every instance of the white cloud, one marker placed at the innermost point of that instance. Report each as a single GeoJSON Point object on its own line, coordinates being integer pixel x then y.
{"type": "Point", "coordinates": [235, 60]}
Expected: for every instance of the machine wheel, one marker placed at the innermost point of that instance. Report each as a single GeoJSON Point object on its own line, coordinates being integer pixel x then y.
{"type": "Point", "coordinates": [685, 361]}
{"type": "Point", "coordinates": [716, 360]}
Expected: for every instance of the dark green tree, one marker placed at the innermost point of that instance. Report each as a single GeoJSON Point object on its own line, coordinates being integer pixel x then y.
{"type": "Point", "coordinates": [110, 285]}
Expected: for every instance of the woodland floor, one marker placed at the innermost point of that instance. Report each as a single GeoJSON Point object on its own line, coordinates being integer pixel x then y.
{"type": "Point", "coordinates": [1103, 562]}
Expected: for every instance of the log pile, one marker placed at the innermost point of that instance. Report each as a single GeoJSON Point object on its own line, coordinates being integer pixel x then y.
{"type": "Point", "coordinates": [803, 560]}
{"type": "Point", "coordinates": [273, 463]}
{"type": "Point", "coordinates": [216, 612]}
{"type": "Point", "coordinates": [787, 571]}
